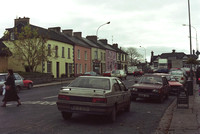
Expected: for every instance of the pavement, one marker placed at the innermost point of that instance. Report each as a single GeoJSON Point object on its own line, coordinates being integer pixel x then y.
{"type": "Point", "coordinates": [182, 119]}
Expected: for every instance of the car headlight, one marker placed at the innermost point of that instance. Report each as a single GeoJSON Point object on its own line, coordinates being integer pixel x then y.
{"type": "Point", "coordinates": [134, 89]}
{"type": "Point", "coordinates": [155, 91]}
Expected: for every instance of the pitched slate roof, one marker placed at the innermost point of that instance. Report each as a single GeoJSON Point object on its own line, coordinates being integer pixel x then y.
{"type": "Point", "coordinates": [90, 43]}
{"type": "Point", "coordinates": [50, 34]}
{"type": "Point", "coordinates": [76, 41]}
{"type": "Point", "coordinates": [106, 46]}
{"type": "Point", "coordinates": [178, 55]}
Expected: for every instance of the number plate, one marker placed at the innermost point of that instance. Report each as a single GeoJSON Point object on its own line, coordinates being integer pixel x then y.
{"type": "Point", "coordinates": [80, 108]}
{"type": "Point", "coordinates": [143, 95]}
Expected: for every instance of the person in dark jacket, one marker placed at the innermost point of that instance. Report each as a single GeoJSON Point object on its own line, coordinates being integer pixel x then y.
{"type": "Point", "coordinates": [11, 93]}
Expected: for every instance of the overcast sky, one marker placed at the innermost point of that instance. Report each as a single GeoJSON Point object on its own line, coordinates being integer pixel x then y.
{"type": "Point", "coordinates": [156, 25]}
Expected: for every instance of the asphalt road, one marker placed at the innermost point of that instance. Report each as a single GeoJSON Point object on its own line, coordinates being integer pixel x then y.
{"type": "Point", "coordinates": [38, 114]}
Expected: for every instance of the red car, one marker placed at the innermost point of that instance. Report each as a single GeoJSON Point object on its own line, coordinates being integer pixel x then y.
{"type": "Point", "coordinates": [107, 73]}
{"type": "Point", "coordinates": [175, 85]}
{"type": "Point", "coordinates": [28, 83]}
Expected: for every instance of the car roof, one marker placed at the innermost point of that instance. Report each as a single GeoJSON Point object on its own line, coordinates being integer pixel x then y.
{"type": "Point", "coordinates": [103, 77]}
{"type": "Point", "coordinates": [156, 75]}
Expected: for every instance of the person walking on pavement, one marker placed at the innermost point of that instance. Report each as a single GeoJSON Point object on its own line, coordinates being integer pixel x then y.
{"type": "Point", "coordinates": [11, 93]}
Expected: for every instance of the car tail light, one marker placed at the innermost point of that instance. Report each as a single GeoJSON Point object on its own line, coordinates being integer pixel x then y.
{"type": "Point", "coordinates": [63, 97]}
{"type": "Point", "coordinates": [182, 78]}
{"type": "Point", "coordinates": [99, 100]}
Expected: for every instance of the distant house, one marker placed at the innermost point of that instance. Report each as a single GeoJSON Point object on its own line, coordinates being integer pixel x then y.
{"type": "Point", "coordinates": [175, 59]}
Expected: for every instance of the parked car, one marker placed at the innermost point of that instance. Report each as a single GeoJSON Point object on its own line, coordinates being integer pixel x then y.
{"type": "Point", "coordinates": [91, 73]}
{"type": "Point", "coordinates": [96, 95]}
{"type": "Point", "coordinates": [151, 86]}
{"type": "Point", "coordinates": [19, 82]}
{"type": "Point", "coordinates": [175, 85]}
{"type": "Point", "coordinates": [179, 75]}
{"type": "Point", "coordinates": [137, 72]}
{"type": "Point", "coordinates": [28, 83]}
{"type": "Point", "coordinates": [107, 73]}
{"type": "Point", "coordinates": [119, 74]}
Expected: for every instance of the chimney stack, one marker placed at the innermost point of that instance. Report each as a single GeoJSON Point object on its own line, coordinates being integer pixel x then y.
{"type": "Point", "coordinates": [92, 38]}
{"type": "Point", "coordinates": [152, 53]}
{"type": "Point", "coordinates": [104, 41]}
{"type": "Point", "coordinates": [55, 29]}
{"type": "Point", "coordinates": [78, 34]}
{"type": "Point", "coordinates": [24, 21]}
{"type": "Point", "coordinates": [68, 32]}
{"type": "Point", "coordinates": [115, 45]}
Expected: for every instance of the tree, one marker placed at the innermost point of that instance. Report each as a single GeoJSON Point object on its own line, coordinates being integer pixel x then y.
{"type": "Point", "coordinates": [28, 46]}
{"type": "Point", "coordinates": [133, 55]}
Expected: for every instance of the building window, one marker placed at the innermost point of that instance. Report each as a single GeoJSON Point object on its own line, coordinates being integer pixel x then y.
{"type": "Point", "coordinates": [80, 67]}
{"type": "Point", "coordinates": [85, 67]}
{"type": "Point", "coordinates": [101, 55]}
{"type": "Point", "coordinates": [79, 55]}
{"type": "Point", "coordinates": [96, 55]}
{"type": "Point", "coordinates": [68, 53]}
{"type": "Point", "coordinates": [63, 52]}
{"type": "Point", "coordinates": [85, 55]}
{"type": "Point", "coordinates": [49, 67]}
{"type": "Point", "coordinates": [56, 51]}
{"type": "Point", "coordinates": [119, 56]}
{"type": "Point", "coordinates": [104, 56]}
{"type": "Point", "coordinates": [49, 49]}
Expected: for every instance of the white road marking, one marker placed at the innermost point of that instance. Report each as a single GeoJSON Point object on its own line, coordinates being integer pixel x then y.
{"type": "Point", "coordinates": [50, 97]}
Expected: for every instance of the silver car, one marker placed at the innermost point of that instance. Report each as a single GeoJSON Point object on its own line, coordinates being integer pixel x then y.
{"type": "Point", "coordinates": [18, 81]}
{"type": "Point", "coordinates": [119, 74]}
{"type": "Point", "coordinates": [94, 95]}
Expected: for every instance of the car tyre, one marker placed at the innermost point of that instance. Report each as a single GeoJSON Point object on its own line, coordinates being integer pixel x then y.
{"type": "Point", "coordinates": [30, 85]}
{"type": "Point", "coordinates": [66, 115]}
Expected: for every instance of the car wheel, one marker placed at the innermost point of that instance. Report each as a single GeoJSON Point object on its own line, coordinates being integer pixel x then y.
{"type": "Point", "coordinates": [113, 115]}
{"type": "Point", "coordinates": [30, 85]}
{"type": "Point", "coordinates": [66, 115]}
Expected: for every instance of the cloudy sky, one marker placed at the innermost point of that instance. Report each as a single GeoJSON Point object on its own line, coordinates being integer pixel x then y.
{"type": "Point", "coordinates": [156, 25]}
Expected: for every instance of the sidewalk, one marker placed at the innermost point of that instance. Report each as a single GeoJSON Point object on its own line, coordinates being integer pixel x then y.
{"type": "Point", "coordinates": [186, 121]}
{"type": "Point", "coordinates": [61, 82]}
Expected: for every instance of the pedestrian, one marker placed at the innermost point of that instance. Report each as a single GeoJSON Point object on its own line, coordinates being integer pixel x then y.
{"type": "Point", "coordinates": [11, 93]}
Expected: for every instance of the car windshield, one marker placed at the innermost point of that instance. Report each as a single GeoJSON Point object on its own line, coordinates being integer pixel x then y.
{"type": "Point", "coordinates": [176, 73]}
{"type": "Point", "coordinates": [115, 71]}
{"type": "Point", "coordinates": [91, 82]}
{"type": "Point", "coordinates": [151, 80]}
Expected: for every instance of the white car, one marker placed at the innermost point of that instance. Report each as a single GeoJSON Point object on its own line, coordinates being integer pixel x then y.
{"type": "Point", "coordinates": [119, 74]}
{"type": "Point", "coordinates": [18, 81]}
{"type": "Point", "coordinates": [179, 75]}
{"type": "Point", "coordinates": [96, 95]}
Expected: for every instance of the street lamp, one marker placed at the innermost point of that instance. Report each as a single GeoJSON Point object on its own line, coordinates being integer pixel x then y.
{"type": "Point", "coordinates": [101, 26]}
{"type": "Point", "coordinates": [196, 36]}
{"type": "Point", "coordinates": [144, 54]}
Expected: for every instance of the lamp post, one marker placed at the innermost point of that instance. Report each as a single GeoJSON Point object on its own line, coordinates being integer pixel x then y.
{"type": "Point", "coordinates": [101, 26]}
{"type": "Point", "coordinates": [196, 36]}
{"type": "Point", "coordinates": [144, 54]}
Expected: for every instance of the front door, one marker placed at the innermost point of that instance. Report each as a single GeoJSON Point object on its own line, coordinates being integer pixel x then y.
{"type": "Point", "coordinates": [57, 70]}
{"type": "Point", "coordinates": [66, 69]}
